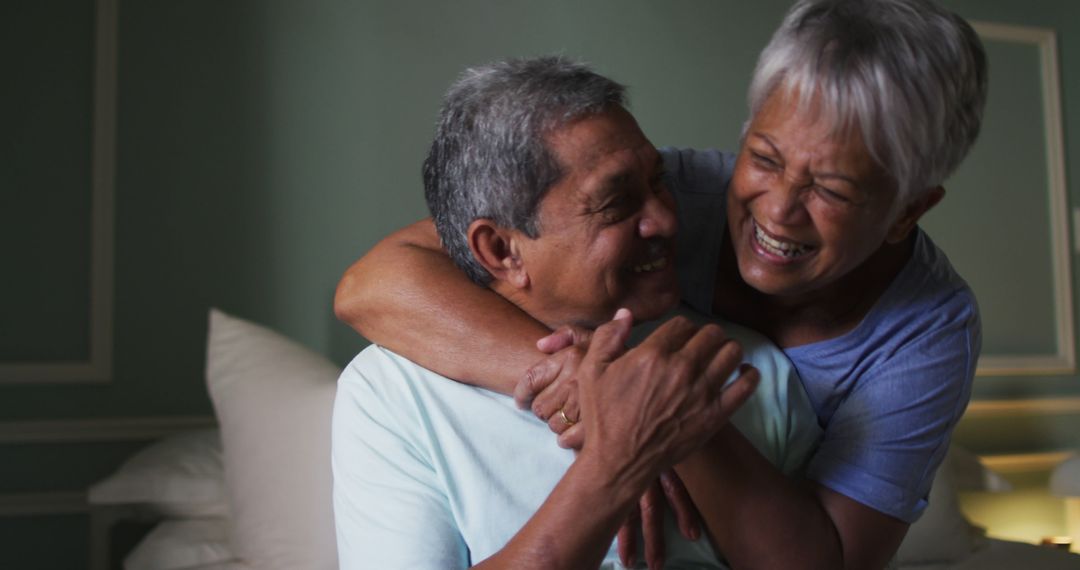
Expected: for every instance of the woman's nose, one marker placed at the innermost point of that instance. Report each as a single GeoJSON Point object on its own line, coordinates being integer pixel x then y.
{"type": "Point", "coordinates": [784, 201]}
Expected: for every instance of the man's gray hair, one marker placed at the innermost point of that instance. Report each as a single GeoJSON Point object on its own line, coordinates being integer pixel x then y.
{"type": "Point", "coordinates": [908, 73]}
{"type": "Point", "coordinates": [490, 157]}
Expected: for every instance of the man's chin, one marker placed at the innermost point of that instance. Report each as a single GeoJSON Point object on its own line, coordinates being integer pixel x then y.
{"type": "Point", "coordinates": [654, 307]}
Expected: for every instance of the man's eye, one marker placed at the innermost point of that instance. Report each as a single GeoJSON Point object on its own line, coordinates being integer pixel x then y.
{"type": "Point", "coordinates": [614, 211]}
{"type": "Point", "coordinates": [618, 209]}
{"type": "Point", "coordinates": [660, 183]}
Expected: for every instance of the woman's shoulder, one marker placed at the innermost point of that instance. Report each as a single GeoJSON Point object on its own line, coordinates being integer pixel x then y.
{"type": "Point", "coordinates": [930, 288]}
{"type": "Point", "coordinates": [698, 171]}
{"type": "Point", "coordinates": [927, 309]}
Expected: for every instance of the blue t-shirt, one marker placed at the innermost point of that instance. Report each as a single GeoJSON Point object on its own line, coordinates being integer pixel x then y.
{"type": "Point", "coordinates": [887, 393]}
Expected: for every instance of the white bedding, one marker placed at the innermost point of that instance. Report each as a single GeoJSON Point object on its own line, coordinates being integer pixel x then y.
{"type": "Point", "coordinates": [942, 539]}
{"type": "Point", "coordinates": [996, 554]}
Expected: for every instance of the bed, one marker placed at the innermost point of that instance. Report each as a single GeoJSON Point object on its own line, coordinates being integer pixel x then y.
{"type": "Point", "coordinates": [214, 495]}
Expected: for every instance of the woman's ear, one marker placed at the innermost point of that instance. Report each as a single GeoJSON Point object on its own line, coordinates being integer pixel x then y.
{"type": "Point", "coordinates": [497, 249]}
{"type": "Point", "coordinates": [903, 225]}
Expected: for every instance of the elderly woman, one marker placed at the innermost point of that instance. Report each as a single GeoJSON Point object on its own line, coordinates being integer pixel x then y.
{"type": "Point", "coordinates": [859, 111]}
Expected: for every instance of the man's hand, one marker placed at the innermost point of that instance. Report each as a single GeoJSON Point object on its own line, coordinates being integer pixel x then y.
{"type": "Point", "coordinates": [665, 397]}
{"type": "Point", "coordinates": [550, 388]}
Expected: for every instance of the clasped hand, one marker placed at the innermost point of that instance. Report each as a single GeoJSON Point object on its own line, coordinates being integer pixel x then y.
{"type": "Point", "coordinates": [642, 409]}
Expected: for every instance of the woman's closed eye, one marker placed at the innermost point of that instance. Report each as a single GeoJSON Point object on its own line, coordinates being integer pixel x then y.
{"type": "Point", "coordinates": [832, 194]}
{"type": "Point", "coordinates": [764, 160]}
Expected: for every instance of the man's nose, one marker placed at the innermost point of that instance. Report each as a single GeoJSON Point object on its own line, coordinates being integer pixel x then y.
{"type": "Point", "coordinates": [658, 218]}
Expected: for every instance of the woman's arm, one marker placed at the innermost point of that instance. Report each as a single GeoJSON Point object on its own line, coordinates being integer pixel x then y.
{"type": "Point", "coordinates": [408, 296]}
{"type": "Point", "coordinates": [760, 518]}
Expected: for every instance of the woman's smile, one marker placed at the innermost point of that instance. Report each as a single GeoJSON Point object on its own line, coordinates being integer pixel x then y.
{"type": "Point", "coordinates": [777, 249]}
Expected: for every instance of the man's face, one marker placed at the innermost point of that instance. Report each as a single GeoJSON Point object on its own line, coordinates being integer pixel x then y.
{"type": "Point", "coordinates": [606, 228]}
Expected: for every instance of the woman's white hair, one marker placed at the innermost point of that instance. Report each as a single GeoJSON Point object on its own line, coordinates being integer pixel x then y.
{"type": "Point", "coordinates": [910, 75]}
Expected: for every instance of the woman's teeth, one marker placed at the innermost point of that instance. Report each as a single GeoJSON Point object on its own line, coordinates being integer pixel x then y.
{"type": "Point", "coordinates": [654, 265]}
{"type": "Point", "coordinates": [777, 247]}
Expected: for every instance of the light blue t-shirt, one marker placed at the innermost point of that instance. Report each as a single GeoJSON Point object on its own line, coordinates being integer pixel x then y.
{"type": "Point", "coordinates": [887, 393]}
{"type": "Point", "coordinates": [432, 473]}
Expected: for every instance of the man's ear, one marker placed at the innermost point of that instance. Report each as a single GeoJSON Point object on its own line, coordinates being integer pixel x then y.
{"type": "Point", "coordinates": [903, 225]}
{"type": "Point", "coordinates": [498, 250]}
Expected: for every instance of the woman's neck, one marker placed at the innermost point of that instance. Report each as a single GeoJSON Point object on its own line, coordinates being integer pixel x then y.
{"type": "Point", "coordinates": [814, 316]}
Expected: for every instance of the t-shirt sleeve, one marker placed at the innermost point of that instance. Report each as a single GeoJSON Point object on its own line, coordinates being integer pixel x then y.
{"type": "Point", "coordinates": [698, 179]}
{"type": "Point", "coordinates": [389, 510]}
{"type": "Point", "coordinates": [886, 440]}
{"type": "Point", "coordinates": [778, 418]}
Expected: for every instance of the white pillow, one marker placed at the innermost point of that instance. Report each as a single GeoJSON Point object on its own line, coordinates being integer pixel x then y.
{"type": "Point", "coordinates": [274, 399]}
{"type": "Point", "coordinates": [181, 475]}
{"type": "Point", "coordinates": [942, 534]}
{"type": "Point", "coordinates": [178, 544]}
{"type": "Point", "coordinates": [971, 475]}
{"type": "Point", "coordinates": [230, 565]}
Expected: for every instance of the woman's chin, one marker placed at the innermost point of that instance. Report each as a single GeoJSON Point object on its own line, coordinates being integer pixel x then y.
{"type": "Point", "coordinates": [771, 281]}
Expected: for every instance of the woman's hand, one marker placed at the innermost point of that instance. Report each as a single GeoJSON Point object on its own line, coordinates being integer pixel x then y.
{"type": "Point", "coordinates": [666, 492]}
{"type": "Point", "coordinates": [549, 387]}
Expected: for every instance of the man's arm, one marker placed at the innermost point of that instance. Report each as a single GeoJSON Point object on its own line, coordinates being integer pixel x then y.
{"type": "Point", "coordinates": [638, 420]}
{"type": "Point", "coordinates": [407, 295]}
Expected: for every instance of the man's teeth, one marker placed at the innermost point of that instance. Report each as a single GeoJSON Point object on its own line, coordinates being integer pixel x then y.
{"type": "Point", "coordinates": [655, 265]}
{"type": "Point", "coordinates": [777, 247]}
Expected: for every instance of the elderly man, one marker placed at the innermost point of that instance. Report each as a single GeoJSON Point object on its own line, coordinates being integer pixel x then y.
{"type": "Point", "coordinates": [544, 189]}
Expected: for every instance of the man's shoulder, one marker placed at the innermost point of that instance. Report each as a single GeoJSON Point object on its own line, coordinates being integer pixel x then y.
{"type": "Point", "coordinates": [754, 343]}
{"type": "Point", "coordinates": [757, 349]}
{"type": "Point", "coordinates": [391, 379]}
{"type": "Point", "coordinates": [387, 376]}
{"type": "Point", "coordinates": [378, 362]}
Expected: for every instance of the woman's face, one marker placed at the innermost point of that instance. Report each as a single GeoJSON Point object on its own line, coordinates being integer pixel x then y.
{"type": "Point", "coordinates": [805, 207]}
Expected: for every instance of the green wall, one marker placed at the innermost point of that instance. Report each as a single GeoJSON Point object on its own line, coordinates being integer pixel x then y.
{"type": "Point", "coordinates": [264, 145]}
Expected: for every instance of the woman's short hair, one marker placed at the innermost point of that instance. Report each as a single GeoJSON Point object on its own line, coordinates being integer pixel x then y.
{"type": "Point", "coordinates": [910, 75]}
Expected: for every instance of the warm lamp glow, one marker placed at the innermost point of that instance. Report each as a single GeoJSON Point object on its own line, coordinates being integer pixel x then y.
{"type": "Point", "coordinates": [1065, 480]}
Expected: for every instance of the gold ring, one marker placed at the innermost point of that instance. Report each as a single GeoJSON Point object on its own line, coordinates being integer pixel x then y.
{"type": "Point", "coordinates": [566, 420]}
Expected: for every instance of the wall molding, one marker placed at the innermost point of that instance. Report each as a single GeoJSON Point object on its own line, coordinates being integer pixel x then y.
{"type": "Point", "coordinates": [1063, 361]}
{"type": "Point", "coordinates": [1025, 462]}
{"type": "Point", "coordinates": [98, 368]}
{"type": "Point", "coordinates": [92, 430]}
{"type": "Point", "coordinates": [43, 504]}
{"type": "Point", "coordinates": [981, 409]}
{"type": "Point", "coordinates": [99, 429]}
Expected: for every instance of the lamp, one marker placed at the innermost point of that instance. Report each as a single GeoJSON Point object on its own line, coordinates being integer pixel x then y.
{"type": "Point", "coordinates": [1065, 482]}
